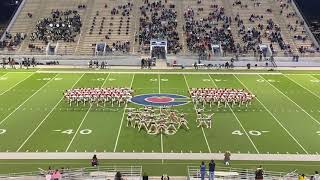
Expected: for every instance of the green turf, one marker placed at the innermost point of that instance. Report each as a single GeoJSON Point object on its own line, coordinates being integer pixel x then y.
{"type": "Point", "coordinates": [284, 119]}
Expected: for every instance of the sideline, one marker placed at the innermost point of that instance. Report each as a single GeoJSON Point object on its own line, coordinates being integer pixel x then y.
{"type": "Point", "coordinates": [157, 156]}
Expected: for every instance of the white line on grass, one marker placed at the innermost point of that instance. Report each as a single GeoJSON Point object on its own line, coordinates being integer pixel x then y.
{"type": "Point", "coordinates": [83, 119]}
{"type": "Point", "coordinates": [16, 84]}
{"type": "Point", "coordinates": [302, 86]}
{"type": "Point", "coordinates": [314, 119]}
{"type": "Point", "coordinates": [45, 118]}
{"type": "Point", "coordinates": [4, 74]}
{"type": "Point", "coordinates": [245, 131]}
{"type": "Point", "coordinates": [161, 138]}
{"type": "Point", "coordinates": [273, 117]}
{"type": "Point", "coordinates": [27, 99]}
{"type": "Point", "coordinates": [204, 134]}
{"type": "Point", "coordinates": [124, 112]}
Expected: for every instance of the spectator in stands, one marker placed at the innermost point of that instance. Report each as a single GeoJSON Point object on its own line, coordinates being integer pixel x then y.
{"type": "Point", "coordinates": [48, 176]}
{"type": "Point", "coordinates": [227, 155]}
{"type": "Point", "coordinates": [56, 175]}
{"type": "Point", "coordinates": [301, 177]}
{"type": "Point", "coordinates": [159, 22]}
{"type": "Point", "coordinates": [94, 161]}
{"type": "Point", "coordinates": [259, 173]}
{"type": "Point", "coordinates": [118, 176]}
{"type": "Point", "coordinates": [61, 25]}
{"type": "Point", "coordinates": [316, 175]}
{"type": "Point", "coordinates": [212, 166]}
{"type": "Point", "coordinates": [202, 170]}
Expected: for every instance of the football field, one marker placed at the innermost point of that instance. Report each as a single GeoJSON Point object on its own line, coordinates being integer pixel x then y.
{"type": "Point", "coordinates": [283, 119]}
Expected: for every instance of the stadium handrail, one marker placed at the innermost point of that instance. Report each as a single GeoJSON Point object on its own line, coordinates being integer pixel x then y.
{"type": "Point", "coordinates": [239, 173]}
{"type": "Point", "coordinates": [99, 171]}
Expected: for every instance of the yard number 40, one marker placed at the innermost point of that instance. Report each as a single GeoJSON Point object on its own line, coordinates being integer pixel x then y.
{"type": "Point", "coordinates": [252, 132]}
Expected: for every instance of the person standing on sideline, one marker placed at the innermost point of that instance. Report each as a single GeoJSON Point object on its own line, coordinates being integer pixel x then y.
{"type": "Point", "coordinates": [227, 155]}
{"type": "Point", "coordinates": [212, 167]}
{"type": "Point", "coordinates": [94, 161]}
{"type": "Point", "coordinates": [202, 170]}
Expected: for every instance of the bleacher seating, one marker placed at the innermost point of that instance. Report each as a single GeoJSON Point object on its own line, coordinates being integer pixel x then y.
{"type": "Point", "coordinates": [104, 21]}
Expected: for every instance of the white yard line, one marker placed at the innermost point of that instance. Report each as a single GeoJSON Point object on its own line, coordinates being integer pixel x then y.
{"type": "Point", "coordinates": [28, 99]}
{"type": "Point", "coordinates": [314, 119]}
{"type": "Point", "coordinates": [161, 138]}
{"type": "Point", "coordinates": [124, 112]}
{"type": "Point", "coordinates": [4, 74]}
{"type": "Point", "coordinates": [204, 134]}
{"type": "Point", "coordinates": [273, 117]}
{"type": "Point", "coordinates": [302, 86]}
{"type": "Point", "coordinates": [245, 131]}
{"type": "Point", "coordinates": [83, 119]}
{"type": "Point", "coordinates": [16, 84]}
{"type": "Point", "coordinates": [45, 118]}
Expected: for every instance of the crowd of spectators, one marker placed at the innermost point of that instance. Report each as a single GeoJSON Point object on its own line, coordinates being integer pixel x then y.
{"type": "Point", "coordinates": [61, 25]}
{"type": "Point", "coordinates": [118, 46]}
{"type": "Point", "coordinates": [202, 32]}
{"type": "Point", "coordinates": [158, 21]}
{"type": "Point", "coordinates": [12, 40]}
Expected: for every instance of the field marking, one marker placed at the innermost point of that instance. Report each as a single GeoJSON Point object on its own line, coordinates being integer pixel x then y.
{"type": "Point", "coordinates": [302, 86]}
{"type": "Point", "coordinates": [4, 74]}
{"type": "Point", "coordinates": [16, 84]}
{"type": "Point", "coordinates": [124, 112]}
{"type": "Point", "coordinates": [315, 120]}
{"type": "Point", "coordinates": [83, 119]}
{"type": "Point", "coordinates": [204, 134]}
{"type": "Point", "coordinates": [245, 131]}
{"type": "Point", "coordinates": [45, 118]}
{"type": "Point", "coordinates": [161, 138]}
{"type": "Point", "coordinates": [27, 99]}
{"type": "Point", "coordinates": [273, 117]}
{"type": "Point", "coordinates": [156, 72]}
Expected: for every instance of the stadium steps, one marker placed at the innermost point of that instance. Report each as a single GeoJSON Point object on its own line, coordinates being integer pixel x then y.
{"type": "Point", "coordinates": [284, 29]}
{"type": "Point", "coordinates": [234, 28]}
{"type": "Point", "coordinates": [90, 40]}
{"type": "Point", "coordinates": [181, 22]}
{"type": "Point", "coordinates": [135, 27]}
{"type": "Point", "coordinates": [85, 27]}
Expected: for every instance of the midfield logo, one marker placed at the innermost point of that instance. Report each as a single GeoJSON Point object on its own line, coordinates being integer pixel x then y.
{"type": "Point", "coordinates": [160, 100]}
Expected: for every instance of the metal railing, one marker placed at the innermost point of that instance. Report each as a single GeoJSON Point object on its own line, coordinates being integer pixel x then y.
{"type": "Point", "coordinates": [100, 172]}
{"type": "Point", "coordinates": [238, 173]}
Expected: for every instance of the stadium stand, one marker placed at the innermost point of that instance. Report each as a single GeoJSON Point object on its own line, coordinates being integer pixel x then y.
{"type": "Point", "coordinates": [252, 28]}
